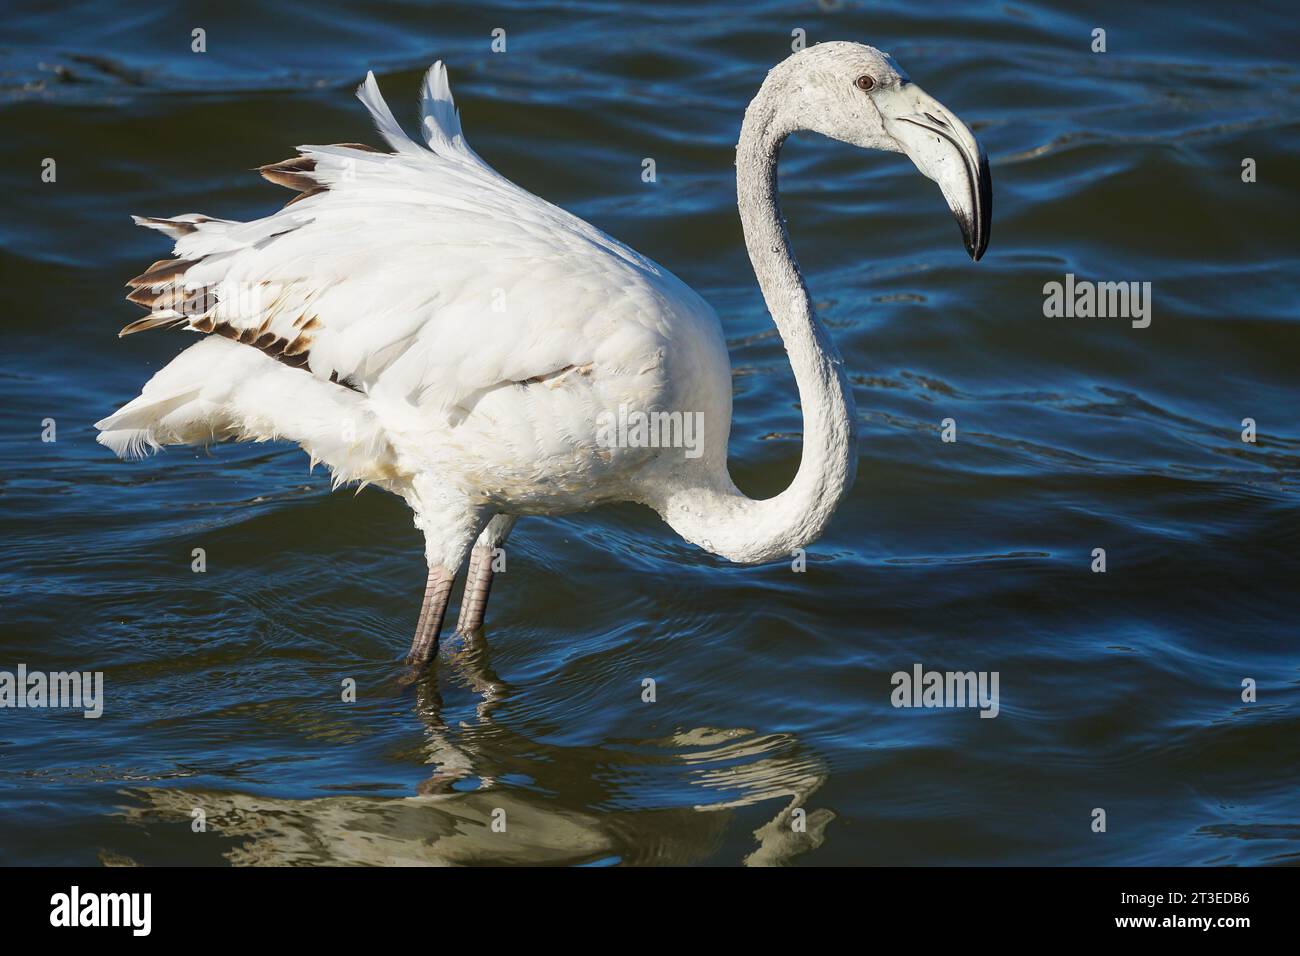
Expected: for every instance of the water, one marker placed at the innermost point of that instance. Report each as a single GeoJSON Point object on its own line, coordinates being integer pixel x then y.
{"type": "Point", "coordinates": [1119, 690]}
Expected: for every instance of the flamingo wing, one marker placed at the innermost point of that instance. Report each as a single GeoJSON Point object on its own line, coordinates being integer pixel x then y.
{"type": "Point", "coordinates": [420, 273]}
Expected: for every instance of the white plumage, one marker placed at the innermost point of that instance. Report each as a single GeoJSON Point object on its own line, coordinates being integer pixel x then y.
{"type": "Point", "coordinates": [415, 320]}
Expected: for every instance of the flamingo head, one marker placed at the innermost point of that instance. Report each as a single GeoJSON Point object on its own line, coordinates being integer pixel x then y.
{"type": "Point", "coordinates": [858, 95]}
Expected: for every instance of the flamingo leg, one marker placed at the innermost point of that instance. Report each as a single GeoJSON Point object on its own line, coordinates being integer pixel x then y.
{"type": "Point", "coordinates": [436, 592]}
{"type": "Point", "coordinates": [478, 582]}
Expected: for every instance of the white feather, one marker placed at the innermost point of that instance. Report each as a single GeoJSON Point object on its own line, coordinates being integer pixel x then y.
{"type": "Point", "coordinates": [389, 128]}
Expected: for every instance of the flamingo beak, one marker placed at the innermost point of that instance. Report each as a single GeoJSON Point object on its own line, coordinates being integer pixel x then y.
{"type": "Point", "coordinates": [944, 150]}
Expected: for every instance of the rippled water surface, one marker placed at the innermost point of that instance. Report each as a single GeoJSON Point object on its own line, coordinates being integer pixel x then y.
{"type": "Point", "coordinates": [1120, 691]}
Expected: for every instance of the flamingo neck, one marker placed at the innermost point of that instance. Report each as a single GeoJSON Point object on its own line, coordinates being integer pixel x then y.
{"type": "Point", "coordinates": [723, 519]}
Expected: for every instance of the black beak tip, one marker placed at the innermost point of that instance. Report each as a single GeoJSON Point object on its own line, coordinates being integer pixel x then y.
{"type": "Point", "coordinates": [975, 236]}
{"type": "Point", "coordinates": [975, 228]}
{"type": "Point", "coordinates": [984, 210]}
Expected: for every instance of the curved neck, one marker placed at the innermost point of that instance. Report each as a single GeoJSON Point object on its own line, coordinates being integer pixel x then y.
{"type": "Point", "coordinates": [723, 519]}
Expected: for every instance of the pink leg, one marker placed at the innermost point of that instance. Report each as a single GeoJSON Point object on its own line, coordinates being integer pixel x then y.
{"type": "Point", "coordinates": [436, 593]}
{"type": "Point", "coordinates": [478, 582]}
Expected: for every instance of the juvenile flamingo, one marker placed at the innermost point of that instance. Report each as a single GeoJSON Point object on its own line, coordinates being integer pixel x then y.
{"type": "Point", "coordinates": [417, 321]}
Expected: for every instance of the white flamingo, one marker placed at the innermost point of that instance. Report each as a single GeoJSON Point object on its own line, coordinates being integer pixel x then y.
{"type": "Point", "coordinates": [415, 320]}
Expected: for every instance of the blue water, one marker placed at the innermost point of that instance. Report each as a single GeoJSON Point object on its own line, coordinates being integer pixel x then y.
{"type": "Point", "coordinates": [1119, 691]}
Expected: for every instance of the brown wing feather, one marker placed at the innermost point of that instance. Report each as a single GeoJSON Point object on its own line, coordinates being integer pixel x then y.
{"type": "Point", "coordinates": [161, 289]}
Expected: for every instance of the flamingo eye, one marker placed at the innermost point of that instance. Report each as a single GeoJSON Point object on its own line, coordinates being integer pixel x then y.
{"type": "Point", "coordinates": [865, 83]}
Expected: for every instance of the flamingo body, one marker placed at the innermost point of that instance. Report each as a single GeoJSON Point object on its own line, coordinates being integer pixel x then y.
{"type": "Point", "coordinates": [417, 321]}
{"type": "Point", "coordinates": [461, 336]}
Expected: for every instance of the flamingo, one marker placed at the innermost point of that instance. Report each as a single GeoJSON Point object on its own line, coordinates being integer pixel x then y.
{"type": "Point", "coordinates": [416, 321]}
